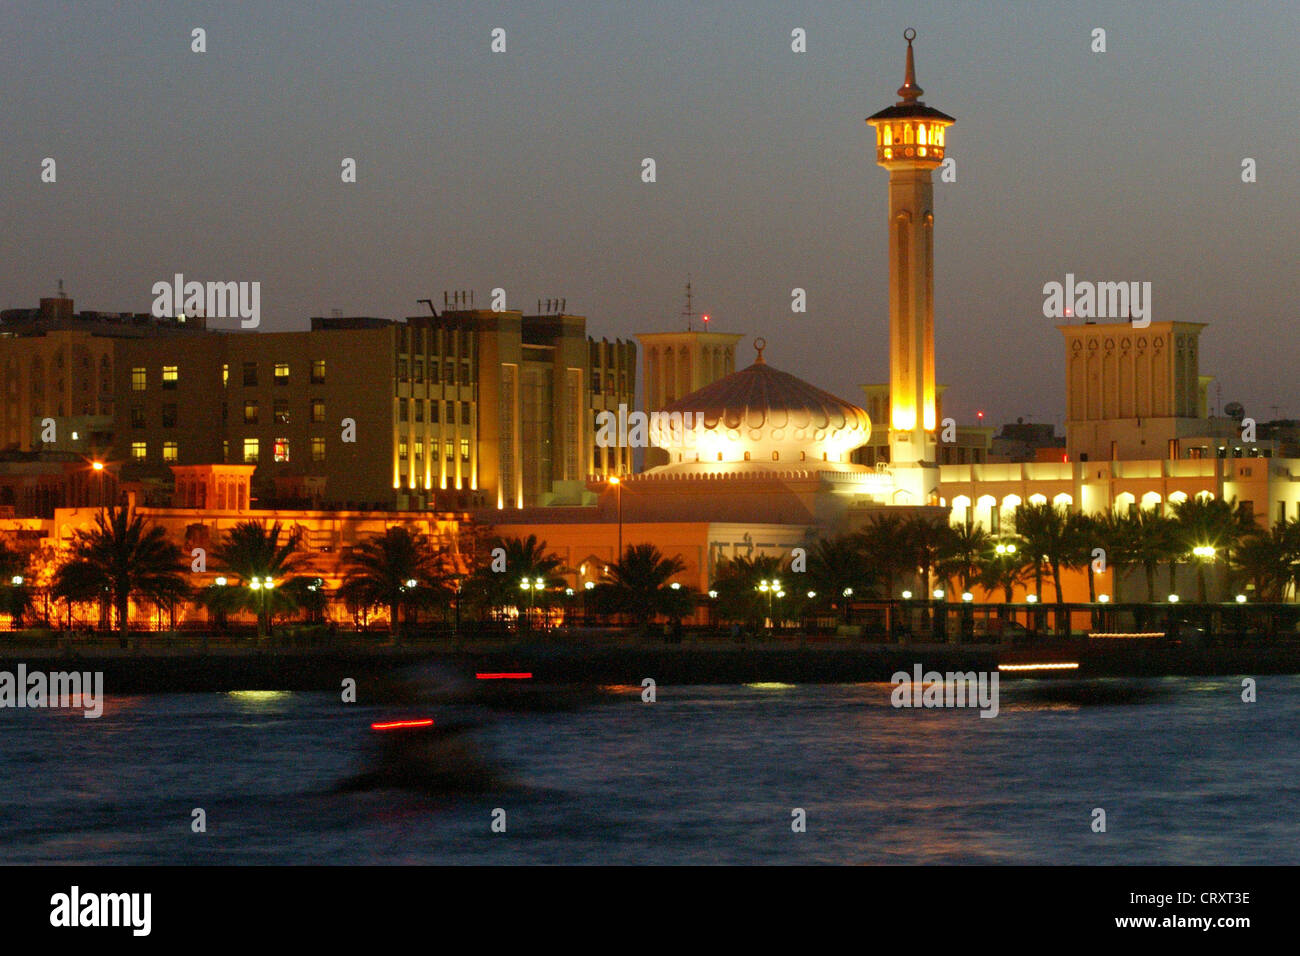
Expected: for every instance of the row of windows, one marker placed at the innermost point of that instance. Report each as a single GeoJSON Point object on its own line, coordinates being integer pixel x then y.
{"type": "Point", "coordinates": [280, 413]}
{"type": "Point", "coordinates": [417, 446]}
{"type": "Point", "coordinates": [439, 341]}
{"type": "Point", "coordinates": [414, 371]}
{"type": "Point", "coordinates": [608, 379]}
{"type": "Point", "coordinates": [140, 451]}
{"type": "Point", "coordinates": [435, 410]}
{"type": "Point", "coordinates": [280, 450]}
{"type": "Point", "coordinates": [171, 375]}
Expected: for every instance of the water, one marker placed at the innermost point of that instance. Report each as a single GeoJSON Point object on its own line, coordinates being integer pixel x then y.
{"type": "Point", "coordinates": [1186, 772]}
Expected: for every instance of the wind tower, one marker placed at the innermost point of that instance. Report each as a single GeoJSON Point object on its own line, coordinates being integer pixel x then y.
{"type": "Point", "coordinates": [910, 144]}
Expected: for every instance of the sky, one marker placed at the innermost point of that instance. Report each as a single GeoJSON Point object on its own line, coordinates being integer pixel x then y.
{"type": "Point", "coordinates": [522, 170]}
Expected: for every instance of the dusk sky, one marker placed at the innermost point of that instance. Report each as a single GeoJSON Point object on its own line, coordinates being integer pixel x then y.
{"type": "Point", "coordinates": [522, 170]}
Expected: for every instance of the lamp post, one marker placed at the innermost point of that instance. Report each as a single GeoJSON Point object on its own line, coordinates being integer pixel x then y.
{"type": "Point", "coordinates": [772, 589]}
{"type": "Point", "coordinates": [263, 590]}
{"type": "Point", "coordinates": [1204, 554]}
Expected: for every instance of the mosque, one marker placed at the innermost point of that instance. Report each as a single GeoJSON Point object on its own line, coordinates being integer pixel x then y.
{"type": "Point", "coordinates": [767, 462]}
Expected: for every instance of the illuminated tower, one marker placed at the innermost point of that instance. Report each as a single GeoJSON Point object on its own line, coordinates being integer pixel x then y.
{"type": "Point", "coordinates": [910, 143]}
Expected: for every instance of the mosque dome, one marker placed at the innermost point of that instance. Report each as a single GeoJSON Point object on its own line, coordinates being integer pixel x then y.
{"type": "Point", "coordinates": [761, 414]}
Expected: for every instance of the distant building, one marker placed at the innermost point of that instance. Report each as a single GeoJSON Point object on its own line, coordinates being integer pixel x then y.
{"type": "Point", "coordinates": [1027, 441]}
{"type": "Point", "coordinates": [468, 408]}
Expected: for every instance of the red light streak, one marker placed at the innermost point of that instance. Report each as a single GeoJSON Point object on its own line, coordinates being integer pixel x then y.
{"type": "Point", "coordinates": [395, 724]}
{"type": "Point", "coordinates": [520, 676]}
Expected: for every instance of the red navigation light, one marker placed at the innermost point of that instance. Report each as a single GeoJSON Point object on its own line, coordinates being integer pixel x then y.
{"type": "Point", "coordinates": [980, 415]}
{"type": "Point", "coordinates": [400, 724]}
{"type": "Point", "coordinates": [705, 317]}
{"type": "Point", "coordinates": [519, 676]}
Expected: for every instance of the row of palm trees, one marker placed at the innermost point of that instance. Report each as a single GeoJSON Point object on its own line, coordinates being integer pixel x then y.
{"type": "Point", "coordinates": [265, 571]}
{"type": "Point", "coordinates": [895, 556]}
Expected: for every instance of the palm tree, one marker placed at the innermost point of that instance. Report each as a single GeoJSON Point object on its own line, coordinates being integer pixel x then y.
{"type": "Point", "coordinates": [505, 564]}
{"type": "Point", "coordinates": [737, 581]}
{"type": "Point", "coordinates": [1209, 523]}
{"type": "Point", "coordinates": [1084, 537]}
{"type": "Point", "coordinates": [886, 542]}
{"type": "Point", "coordinates": [1008, 569]}
{"type": "Point", "coordinates": [121, 557]}
{"type": "Point", "coordinates": [1266, 559]}
{"type": "Point", "coordinates": [1153, 541]}
{"type": "Point", "coordinates": [1117, 532]}
{"type": "Point", "coordinates": [397, 569]}
{"type": "Point", "coordinates": [15, 592]}
{"type": "Point", "coordinates": [837, 565]}
{"type": "Point", "coordinates": [930, 538]}
{"type": "Point", "coordinates": [1045, 529]}
{"type": "Point", "coordinates": [640, 586]}
{"type": "Point", "coordinates": [964, 554]}
{"type": "Point", "coordinates": [267, 565]}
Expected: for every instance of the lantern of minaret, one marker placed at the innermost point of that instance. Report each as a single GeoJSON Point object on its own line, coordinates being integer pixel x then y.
{"type": "Point", "coordinates": [910, 143]}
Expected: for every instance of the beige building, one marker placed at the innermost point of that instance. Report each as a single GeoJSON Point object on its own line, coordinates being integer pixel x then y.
{"type": "Point", "coordinates": [464, 409]}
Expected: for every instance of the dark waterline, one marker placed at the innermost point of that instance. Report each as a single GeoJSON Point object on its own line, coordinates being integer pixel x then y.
{"type": "Point", "coordinates": [1186, 772]}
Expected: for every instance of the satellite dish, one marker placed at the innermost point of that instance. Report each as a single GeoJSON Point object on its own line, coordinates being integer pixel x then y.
{"type": "Point", "coordinates": [1235, 410]}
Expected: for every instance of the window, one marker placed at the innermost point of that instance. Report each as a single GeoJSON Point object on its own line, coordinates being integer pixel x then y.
{"type": "Point", "coordinates": [451, 449]}
{"type": "Point", "coordinates": [281, 411]}
{"type": "Point", "coordinates": [139, 379]}
{"type": "Point", "coordinates": [225, 375]}
{"type": "Point", "coordinates": [318, 410]}
{"type": "Point", "coordinates": [595, 380]}
{"type": "Point", "coordinates": [250, 373]}
{"type": "Point", "coordinates": [170, 450]}
{"type": "Point", "coordinates": [281, 449]}
{"type": "Point", "coordinates": [137, 417]}
{"type": "Point", "coordinates": [401, 450]}
{"type": "Point", "coordinates": [251, 451]}
{"type": "Point", "coordinates": [433, 371]}
{"type": "Point", "coordinates": [418, 369]}
{"type": "Point", "coordinates": [281, 373]}
{"type": "Point", "coordinates": [169, 415]}
{"type": "Point", "coordinates": [464, 449]}
{"type": "Point", "coordinates": [464, 372]}
{"type": "Point", "coordinates": [403, 374]}
{"type": "Point", "coordinates": [318, 371]}
{"type": "Point", "coordinates": [402, 413]}
{"type": "Point", "coordinates": [451, 413]}
{"type": "Point", "coordinates": [170, 376]}
{"type": "Point", "coordinates": [250, 413]}
{"type": "Point", "coordinates": [419, 449]}
{"type": "Point", "coordinates": [318, 449]}
{"type": "Point", "coordinates": [464, 413]}
{"type": "Point", "coordinates": [435, 409]}
{"type": "Point", "coordinates": [225, 449]}
{"type": "Point", "coordinates": [419, 409]}
{"type": "Point", "coordinates": [450, 372]}
{"type": "Point", "coordinates": [139, 450]}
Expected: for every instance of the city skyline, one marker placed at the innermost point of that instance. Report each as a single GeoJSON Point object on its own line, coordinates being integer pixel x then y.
{"type": "Point", "coordinates": [461, 185]}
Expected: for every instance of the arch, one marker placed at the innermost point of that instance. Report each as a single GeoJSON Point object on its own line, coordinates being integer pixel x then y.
{"type": "Point", "coordinates": [1125, 501]}
{"type": "Point", "coordinates": [1151, 500]}
{"type": "Point", "coordinates": [1064, 499]}
{"type": "Point", "coordinates": [1205, 495]}
{"type": "Point", "coordinates": [1177, 496]}
{"type": "Point", "coordinates": [1038, 499]}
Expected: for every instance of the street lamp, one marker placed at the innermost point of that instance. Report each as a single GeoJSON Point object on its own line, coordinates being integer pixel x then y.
{"type": "Point", "coordinates": [1241, 599]}
{"type": "Point", "coordinates": [907, 595]}
{"type": "Point", "coordinates": [938, 594]}
{"type": "Point", "coordinates": [770, 588]}
{"type": "Point", "coordinates": [1103, 598]}
{"type": "Point", "coordinates": [967, 596]}
{"type": "Point", "coordinates": [1173, 599]}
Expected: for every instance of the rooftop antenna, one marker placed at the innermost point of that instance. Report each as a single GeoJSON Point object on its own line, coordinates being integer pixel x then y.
{"type": "Point", "coordinates": [444, 298]}
{"type": "Point", "coordinates": [61, 295]}
{"type": "Point", "coordinates": [429, 303]}
{"type": "Point", "coordinates": [689, 311]}
{"type": "Point", "coordinates": [471, 298]}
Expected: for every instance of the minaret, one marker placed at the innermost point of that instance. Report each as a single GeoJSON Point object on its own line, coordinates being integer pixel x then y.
{"type": "Point", "coordinates": [910, 143]}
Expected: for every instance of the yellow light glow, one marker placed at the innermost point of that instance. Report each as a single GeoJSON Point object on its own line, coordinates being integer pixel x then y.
{"type": "Point", "coordinates": [97, 466]}
{"type": "Point", "coordinates": [1038, 667]}
{"type": "Point", "coordinates": [889, 153]}
{"type": "Point", "coordinates": [920, 150]}
{"type": "Point", "coordinates": [903, 417]}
